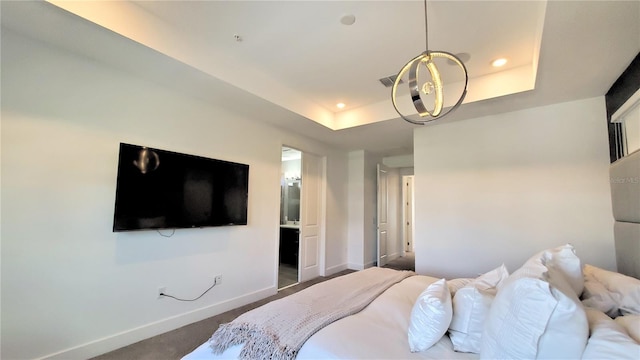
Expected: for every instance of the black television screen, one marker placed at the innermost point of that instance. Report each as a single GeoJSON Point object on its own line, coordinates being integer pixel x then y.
{"type": "Point", "coordinates": [158, 189]}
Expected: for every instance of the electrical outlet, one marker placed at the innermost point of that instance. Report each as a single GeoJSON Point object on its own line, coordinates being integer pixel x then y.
{"type": "Point", "coordinates": [161, 290]}
{"type": "Point", "coordinates": [218, 279]}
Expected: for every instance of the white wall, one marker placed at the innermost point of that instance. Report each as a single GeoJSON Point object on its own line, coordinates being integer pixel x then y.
{"type": "Point", "coordinates": [398, 161]}
{"type": "Point", "coordinates": [355, 214]}
{"type": "Point", "coordinates": [292, 167]}
{"type": "Point", "coordinates": [499, 188]}
{"type": "Point", "coordinates": [72, 287]}
{"type": "Point", "coordinates": [370, 208]}
{"type": "Point", "coordinates": [337, 226]}
{"type": "Point", "coordinates": [406, 171]}
{"type": "Point", "coordinates": [394, 245]}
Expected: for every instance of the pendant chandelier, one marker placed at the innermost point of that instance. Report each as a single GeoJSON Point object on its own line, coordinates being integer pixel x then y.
{"type": "Point", "coordinates": [432, 87]}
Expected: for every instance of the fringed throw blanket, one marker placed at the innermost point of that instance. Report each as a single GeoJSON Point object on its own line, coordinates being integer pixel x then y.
{"type": "Point", "coordinates": [278, 329]}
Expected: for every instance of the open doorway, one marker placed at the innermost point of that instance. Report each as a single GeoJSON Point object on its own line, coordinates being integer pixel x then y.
{"type": "Point", "coordinates": [290, 190]}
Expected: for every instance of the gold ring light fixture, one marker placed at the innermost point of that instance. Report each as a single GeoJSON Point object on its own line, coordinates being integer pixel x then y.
{"type": "Point", "coordinates": [431, 88]}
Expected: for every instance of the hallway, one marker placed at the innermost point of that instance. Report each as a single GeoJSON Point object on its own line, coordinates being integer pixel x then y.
{"type": "Point", "coordinates": [407, 262]}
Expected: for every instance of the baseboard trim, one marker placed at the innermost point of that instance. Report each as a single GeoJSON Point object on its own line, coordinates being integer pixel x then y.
{"type": "Point", "coordinates": [335, 269]}
{"type": "Point", "coordinates": [357, 267]}
{"type": "Point", "coordinates": [128, 337]}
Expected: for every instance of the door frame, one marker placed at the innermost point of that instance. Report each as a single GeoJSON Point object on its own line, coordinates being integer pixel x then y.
{"type": "Point", "coordinates": [321, 210]}
{"type": "Point", "coordinates": [408, 213]}
{"type": "Point", "coordinates": [282, 199]}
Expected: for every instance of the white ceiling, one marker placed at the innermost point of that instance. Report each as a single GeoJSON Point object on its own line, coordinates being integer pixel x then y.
{"type": "Point", "coordinates": [296, 60]}
{"type": "Point", "coordinates": [304, 46]}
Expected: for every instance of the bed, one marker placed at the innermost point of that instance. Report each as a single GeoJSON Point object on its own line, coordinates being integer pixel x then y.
{"type": "Point", "coordinates": [386, 320]}
{"type": "Point", "coordinates": [553, 306]}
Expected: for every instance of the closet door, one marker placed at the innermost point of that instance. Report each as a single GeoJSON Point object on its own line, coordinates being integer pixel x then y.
{"type": "Point", "coordinates": [382, 203]}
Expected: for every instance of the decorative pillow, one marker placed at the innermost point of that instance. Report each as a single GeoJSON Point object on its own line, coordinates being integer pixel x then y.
{"type": "Point", "coordinates": [471, 306]}
{"type": "Point", "coordinates": [624, 290]}
{"type": "Point", "coordinates": [608, 339]}
{"type": "Point", "coordinates": [430, 316]}
{"type": "Point", "coordinates": [563, 258]}
{"type": "Point", "coordinates": [535, 318]}
{"type": "Point", "coordinates": [491, 280]}
{"type": "Point", "coordinates": [631, 323]}
{"type": "Point", "coordinates": [457, 284]}
{"type": "Point", "coordinates": [597, 296]}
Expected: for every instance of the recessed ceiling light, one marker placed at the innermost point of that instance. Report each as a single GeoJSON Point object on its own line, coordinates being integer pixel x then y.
{"type": "Point", "coordinates": [498, 62]}
{"type": "Point", "coordinates": [340, 105]}
{"type": "Point", "coordinates": [348, 19]}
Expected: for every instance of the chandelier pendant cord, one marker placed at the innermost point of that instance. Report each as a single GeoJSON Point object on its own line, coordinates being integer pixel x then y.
{"type": "Point", "coordinates": [426, 28]}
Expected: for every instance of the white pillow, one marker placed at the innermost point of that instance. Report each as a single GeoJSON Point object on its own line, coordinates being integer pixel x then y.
{"type": "Point", "coordinates": [471, 306]}
{"type": "Point", "coordinates": [470, 309]}
{"type": "Point", "coordinates": [533, 318]}
{"type": "Point", "coordinates": [624, 290]}
{"type": "Point", "coordinates": [430, 316]}
{"type": "Point", "coordinates": [608, 339]}
{"type": "Point", "coordinates": [457, 284]}
{"type": "Point", "coordinates": [597, 296]}
{"type": "Point", "coordinates": [492, 279]}
{"type": "Point", "coordinates": [631, 323]}
{"type": "Point", "coordinates": [563, 258]}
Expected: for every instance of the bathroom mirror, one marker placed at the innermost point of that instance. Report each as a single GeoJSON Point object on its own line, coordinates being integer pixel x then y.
{"type": "Point", "coordinates": [290, 204]}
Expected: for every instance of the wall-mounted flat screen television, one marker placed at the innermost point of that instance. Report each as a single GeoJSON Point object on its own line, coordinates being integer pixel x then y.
{"type": "Point", "coordinates": [159, 189]}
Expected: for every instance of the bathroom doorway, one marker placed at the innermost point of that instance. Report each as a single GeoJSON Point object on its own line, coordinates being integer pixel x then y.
{"type": "Point", "coordinates": [289, 243]}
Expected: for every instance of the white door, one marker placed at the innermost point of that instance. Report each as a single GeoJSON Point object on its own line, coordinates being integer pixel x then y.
{"type": "Point", "coordinates": [310, 217]}
{"type": "Point", "coordinates": [383, 209]}
{"type": "Point", "coordinates": [407, 212]}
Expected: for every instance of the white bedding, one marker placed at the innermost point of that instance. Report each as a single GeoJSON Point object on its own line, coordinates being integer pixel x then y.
{"type": "Point", "coordinates": [386, 321]}
{"type": "Point", "coordinates": [380, 331]}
